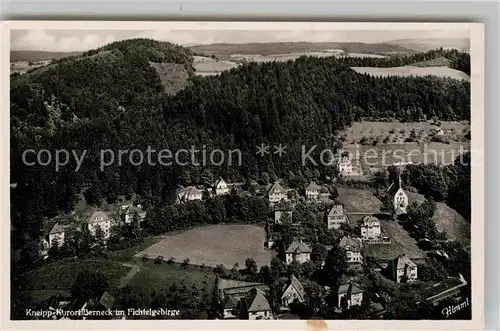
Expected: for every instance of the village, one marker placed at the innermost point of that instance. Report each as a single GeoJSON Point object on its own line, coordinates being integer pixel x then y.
{"type": "Point", "coordinates": [359, 234]}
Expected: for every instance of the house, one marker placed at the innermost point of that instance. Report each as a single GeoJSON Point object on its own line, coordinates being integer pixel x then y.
{"type": "Point", "coordinates": [336, 217]}
{"type": "Point", "coordinates": [231, 307]}
{"type": "Point", "coordinates": [298, 251]}
{"type": "Point", "coordinates": [402, 266]}
{"type": "Point", "coordinates": [58, 233]}
{"type": "Point", "coordinates": [44, 248]}
{"type": "Point", "coordinates": [398, 196]}
{"type": "Point", "coordinates": [103, 221]}
{"type": "Point", "coordinates": [352, 247]}
{"type": "Point", "coordinates": [312, 191]}
{"type": "Point", "coordinates": [221, 187]}
{"type": "Point", "coordinates": [129, 211]}
{"type": "Point", "coordinates": [190, 193]}
{"type": "Point", "coordinates": [353, 295]}
{"type": "Point", "coordinates": [257, 305]}
{"type": "Point", "coordinates": [370, 228]}
{"type": "Point", "coordinates": [292, 290]}
{"type": "Point", "coordinates": [282, 214]}
{"type": "Point", "coordinates": [277, 193]}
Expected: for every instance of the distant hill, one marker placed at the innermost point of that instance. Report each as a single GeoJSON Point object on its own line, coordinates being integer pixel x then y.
{"type": "Point", "coordinates": [424, 45]}
{"type": "Point", "coordinates": [39, 55]}
{"type": "Point", "coordinates": [224, 51]}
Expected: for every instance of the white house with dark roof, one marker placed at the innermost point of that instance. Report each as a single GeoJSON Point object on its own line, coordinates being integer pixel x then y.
{"type": "Point", "coordinates": [292, 290]}
{"type": "Point", "coordinates": [352, 247]}
{"type": "Point", "coordinates": [298, 251]}
{"type": "Point", "coordinates": [403, 266]}
{"type": "Point", "coordinates": [221, 187]}
{"type": "Point", "coordinates": [277, 193]}
{"type": "Point", "coordinates": [370, 228]}
{"type": "Point", "coordinates": [398, 196]}
{"type": "Point", "coordinates": [313, 191]}
{"type": "Point", "coordinates": [190, 193]}
{"type": "Point", "coordinates": [352, 294]}
{"type": "Point", "coordinates": [102, 220]}
{"type": "Point", "coordinates": [335, 217]}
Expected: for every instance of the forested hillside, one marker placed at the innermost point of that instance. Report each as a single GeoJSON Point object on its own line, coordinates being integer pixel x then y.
{"type": "Point", "coordinates": [112, 98]}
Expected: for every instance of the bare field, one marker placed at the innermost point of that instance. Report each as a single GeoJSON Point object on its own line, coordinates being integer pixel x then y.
{"type": "Point", "coordinates": [360, 201]}
{"type": "Point", "coordinates": [378, 144]}
{"type": "Point", "coordinates": [447, 219]}
{"type": "Point", "coordinates": [408, 71]}
{"type": "Point", "coordinates": [401, 131]}
{"type": "Point", "coordinates": [207, 66]}
{"type": "Point", "coordinates": [173, 76]}
{"type": "Point", "coordinates": [225, 244]}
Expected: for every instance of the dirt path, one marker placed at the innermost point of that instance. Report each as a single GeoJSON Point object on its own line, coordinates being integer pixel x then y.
{"type": "Point", "coordinates": [128, 277]}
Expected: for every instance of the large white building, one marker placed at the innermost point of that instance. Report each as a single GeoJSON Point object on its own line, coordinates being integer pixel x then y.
{"type": "Point", "coordinates": [100, 219]}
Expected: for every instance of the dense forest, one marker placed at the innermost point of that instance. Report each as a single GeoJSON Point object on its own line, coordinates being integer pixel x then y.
{"type": "Point", "coordinates": [112, 98]}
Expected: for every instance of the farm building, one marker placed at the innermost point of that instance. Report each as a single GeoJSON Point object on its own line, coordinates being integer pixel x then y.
{"type": "Point", "coordinates": [298, 251]}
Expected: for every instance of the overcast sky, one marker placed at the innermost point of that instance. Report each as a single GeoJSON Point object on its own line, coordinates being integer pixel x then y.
{"type": "Point", "coordinates": [83, 40]}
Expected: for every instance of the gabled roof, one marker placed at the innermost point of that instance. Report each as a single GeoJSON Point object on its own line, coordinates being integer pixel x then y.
{"type": "Point", "coordinates": [402, 260]}
{"type": "Point", "coordinates": [336, 210]}
{"type": "Point", "coordinates": [277, 188]}
{"type": "Point", "coordinates": [350, 289]}
{"type": "Point", "coordinates": [369, 220]}
{"type": "Point", "coordinates": [257, 301]}
{"type": "Point", "coordinates": [298, 247]}
{"type": "Point", "coordinates": [348, 241]}
{"type": "Point", "coordinates": [220, 181]}
{"type": "Point", "coordinates": [190, 190]}
{"type": "Point", "coordinates": [99, 216]}
{"type": "Point", "coordinates": [107, 300]}
{"type": "Point", "coordinates": [231, 302]}
{"type": "Point", "coordinates": [313, 187]}
{"type": "Point", "coordinates": [295, 283]}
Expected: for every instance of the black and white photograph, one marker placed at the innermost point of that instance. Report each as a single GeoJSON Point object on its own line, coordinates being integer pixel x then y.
{"type": "Point", "coordinates": [229, 173]}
